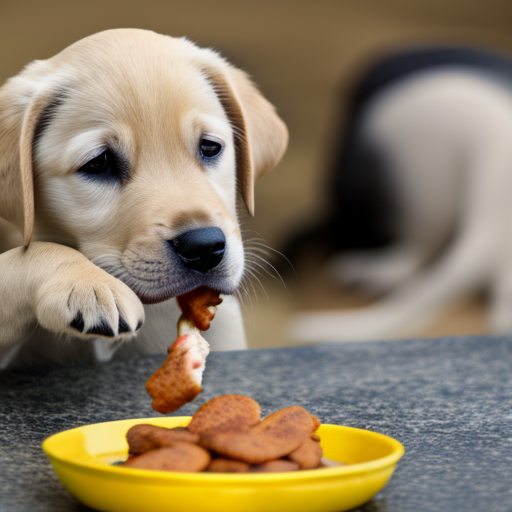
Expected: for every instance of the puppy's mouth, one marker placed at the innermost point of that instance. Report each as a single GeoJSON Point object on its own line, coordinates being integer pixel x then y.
{"type": "Point", "coordinates": [160, 277]}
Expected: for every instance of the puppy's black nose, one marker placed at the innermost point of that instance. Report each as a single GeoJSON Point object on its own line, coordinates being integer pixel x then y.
{"type": "Point", "coordinates": [200, 249]}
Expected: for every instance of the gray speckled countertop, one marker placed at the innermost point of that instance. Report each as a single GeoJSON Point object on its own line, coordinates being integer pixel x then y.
{"type": "Point", "coordinates": [448, 400]}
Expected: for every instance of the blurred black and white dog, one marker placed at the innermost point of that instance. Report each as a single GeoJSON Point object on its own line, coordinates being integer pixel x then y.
{"type": "Point", "coordinates": [425, 174]}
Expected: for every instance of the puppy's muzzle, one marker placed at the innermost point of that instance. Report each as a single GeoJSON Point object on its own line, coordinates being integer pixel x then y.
{"type": "Point", "coordinates": [200, 249]}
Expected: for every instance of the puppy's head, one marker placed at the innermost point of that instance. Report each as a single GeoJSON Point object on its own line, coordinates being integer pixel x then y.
{"type": "Point", "coordinates": [131, 146]}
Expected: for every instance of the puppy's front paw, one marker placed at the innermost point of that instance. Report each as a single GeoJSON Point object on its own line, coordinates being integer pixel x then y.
{"type": "Point", "coordinates": [89, 302]}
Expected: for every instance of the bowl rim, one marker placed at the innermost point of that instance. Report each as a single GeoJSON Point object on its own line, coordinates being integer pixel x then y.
{"type": "Point", "coordinates": [397, 450]}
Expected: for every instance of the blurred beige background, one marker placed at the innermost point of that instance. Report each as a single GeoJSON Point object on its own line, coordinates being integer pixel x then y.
{"type": "Point", "coordinates": [302, 54]}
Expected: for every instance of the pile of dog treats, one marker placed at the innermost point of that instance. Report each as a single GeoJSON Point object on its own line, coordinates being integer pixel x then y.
{"type": "Point", "coordinates": [227, 435]}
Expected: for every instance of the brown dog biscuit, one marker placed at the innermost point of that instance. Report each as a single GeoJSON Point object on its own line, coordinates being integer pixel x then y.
{"type": "Point", "coordinates": [186, 457]}
{"type": "Point", "coordinates": [276, 436]}
{"type": "Point", "coordinates": [226, 412]}
{"type": "Point", "coordinates": [143, 438]}
{"type": "Point", "coordinates": [308, 455]}
{"type": "Point", "coordinates": [250, 447]}
{"type": "Point", "coordinates": [199, 306]}
{"type": "Point", "coordinates": [275, 466]}
{"type": "Point", "coordinates": [292, 421]}
{"type": "Point", "coordinates": [223, 465]}
{"type": "Point", "coordinates": [316, 423]}
{"type": "Point", "coordinates": [230, 426]}
{"type": "Point", "coordinates": [178, 380]}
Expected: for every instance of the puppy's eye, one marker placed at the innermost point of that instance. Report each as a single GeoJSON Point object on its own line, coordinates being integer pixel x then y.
{"type": "Point", "coordinates": [209, 148]}
{"type": "Point", "coordinates": [104, 163]}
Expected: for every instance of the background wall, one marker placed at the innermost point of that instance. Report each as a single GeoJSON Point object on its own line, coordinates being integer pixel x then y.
{"type": "Point", "coordinates": [303, 54]}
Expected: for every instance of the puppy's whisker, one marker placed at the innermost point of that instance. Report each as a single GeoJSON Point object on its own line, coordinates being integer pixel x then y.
{"type": "Point", "coordinates": [256, 250]}
{"type": "Point", "coordinates": [254, 247]}
{"type": "Point", "coordinates": [257, 241]}
{"type": "Point", "coordinates": [262, 267]}
{"type": "Point", "coordinates": [266, 247]}
{"type": "Point", "coordinates": [243, 295]}
{"type": "Point", "coordinates": [260, 247]}
{"type": "Point", "coordinates": [251, 272]}
{"type": "Point", "coordinates": [277, 275]}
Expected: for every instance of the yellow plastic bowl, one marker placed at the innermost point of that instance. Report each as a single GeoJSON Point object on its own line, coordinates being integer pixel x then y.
{"type": "Point", "coordinates": [83, 457]}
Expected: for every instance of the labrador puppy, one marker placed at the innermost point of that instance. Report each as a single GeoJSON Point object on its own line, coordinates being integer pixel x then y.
{"type": "Point", "coordinates": [430, 129]}
{"type": "Point", "coordinates": [121, 159]}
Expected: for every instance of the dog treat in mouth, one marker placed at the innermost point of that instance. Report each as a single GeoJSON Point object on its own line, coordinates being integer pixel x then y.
{"type": "Point", "coordinates": [230, 439]}
{"type": "Point", "coordinates": [199, 306]}
{"type": "Point", "coordinates": [178, 380]}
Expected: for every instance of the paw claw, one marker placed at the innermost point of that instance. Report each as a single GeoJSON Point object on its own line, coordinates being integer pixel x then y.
{"type": "Point", "coordinates": [123, 326]}
{"type": "Point", "coordinates": [101, 329]}
{"type": "Point", "coordinates": [89, 303]}
{"type": "Point", "coordinates": [78, 322]}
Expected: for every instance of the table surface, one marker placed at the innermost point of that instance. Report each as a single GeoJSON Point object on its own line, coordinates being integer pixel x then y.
{"type": "Point", "coordinates": [448, 400]}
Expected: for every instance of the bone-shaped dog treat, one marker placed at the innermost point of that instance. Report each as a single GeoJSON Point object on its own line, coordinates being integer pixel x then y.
{"type": "Point", "coordinates": [143, 438]}
{"type": "Point", "coordinates": [178, 380]}
{"type": "Point", "coordinates": [276, 436]}
{"type": "Point", "coordinates": [178, 457]}
{"type": "Point", "coordinates": [227, 413]}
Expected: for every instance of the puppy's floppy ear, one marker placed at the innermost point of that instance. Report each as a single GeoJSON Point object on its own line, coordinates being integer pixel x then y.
{"type": "Point", "coordinates": [21, 111]}
{"type": "Point", "coordinates": [28, 130]}
{"type": "Point", "coordinates": [261, 136]}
